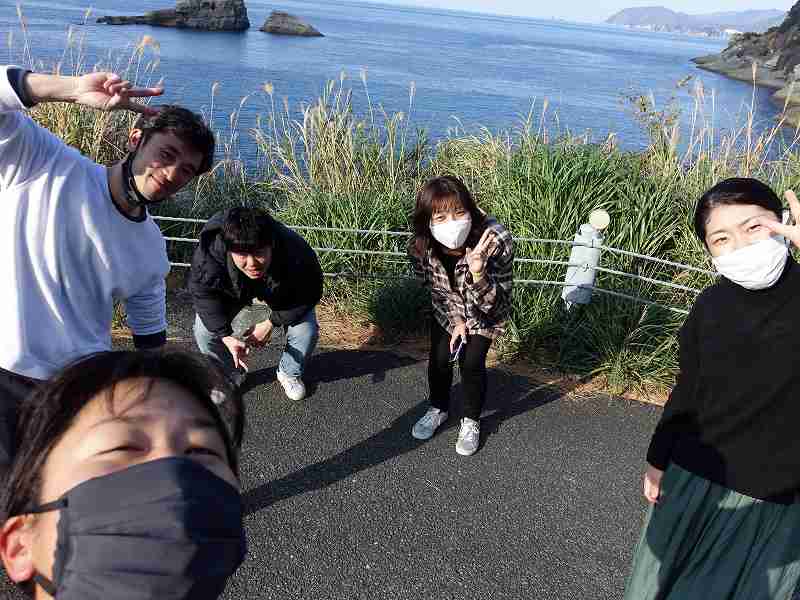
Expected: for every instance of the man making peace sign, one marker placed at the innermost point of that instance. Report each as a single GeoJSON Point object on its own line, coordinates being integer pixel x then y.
{"type": "Point", "coordinates": [75, 236]}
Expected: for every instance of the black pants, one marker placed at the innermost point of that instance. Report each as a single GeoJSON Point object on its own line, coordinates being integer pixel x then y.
{"type": "Point", "coordinates": [471, 363]}
{"type": "Point", "coordinates": [13, 391]}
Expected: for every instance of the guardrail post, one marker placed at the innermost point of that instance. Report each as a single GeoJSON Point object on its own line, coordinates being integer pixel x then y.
{"type": "Point", "coordinates": [583, 259]}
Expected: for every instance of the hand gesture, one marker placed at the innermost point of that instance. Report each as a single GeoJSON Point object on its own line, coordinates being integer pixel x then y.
{"type": "Point", "coordinates": [108, 91]}
{"type": "Point", "coordinates": [478, 256]}
{"type": "Point", "coordinates": [459, 331]}
{"type": "Point", "coordinates": [258, 335]}
{"type": "Point", "coordinates": [652, 484]}
{"type": "Point", "coordinates": [238, 350]}
{"type": "Point", "coordinates": [790, 232]}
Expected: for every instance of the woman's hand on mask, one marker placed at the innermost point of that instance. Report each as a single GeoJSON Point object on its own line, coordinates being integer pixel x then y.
{"type": "Point", "coordinates": [791, 231]}
{"type": "Point", "coordinates": [478, 256]}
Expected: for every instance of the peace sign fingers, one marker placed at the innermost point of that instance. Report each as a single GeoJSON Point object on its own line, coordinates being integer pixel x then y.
{"type": "Point", "coordinates": [477, 257]}
{"type": "Point", "coordinates": [790, 232]}
{"type": "Point", "coordinates": [483, 244]}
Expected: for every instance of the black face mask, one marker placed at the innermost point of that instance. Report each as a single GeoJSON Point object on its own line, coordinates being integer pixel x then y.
{"type": "Point", "coordinates": [168, 529]}
{"type": "Point", "coordinates": [132, 193]}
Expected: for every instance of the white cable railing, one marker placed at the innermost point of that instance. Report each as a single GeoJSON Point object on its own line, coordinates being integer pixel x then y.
{"type": "Point", "coordinates": [523, 260]}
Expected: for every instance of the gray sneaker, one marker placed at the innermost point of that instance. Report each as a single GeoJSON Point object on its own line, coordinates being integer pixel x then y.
{"type": "Point", "coordinates": [428, 424]}
{"type": "Point", "coordinates": [469, 436]}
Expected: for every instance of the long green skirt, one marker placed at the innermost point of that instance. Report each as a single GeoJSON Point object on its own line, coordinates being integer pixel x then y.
{"type": "Point", "coordinates": [705, 541]}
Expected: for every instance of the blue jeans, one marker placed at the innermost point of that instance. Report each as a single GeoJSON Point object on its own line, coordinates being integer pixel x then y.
{"type": "Point", "coordinates": [301, 339]}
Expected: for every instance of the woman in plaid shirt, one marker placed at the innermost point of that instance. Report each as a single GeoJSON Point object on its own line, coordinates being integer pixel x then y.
{"type": "Point", "coordinates": [465, 257]}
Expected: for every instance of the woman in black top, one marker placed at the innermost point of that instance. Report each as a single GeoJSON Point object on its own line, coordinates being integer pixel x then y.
{"type": "Point", "coordinates": [724, 462]}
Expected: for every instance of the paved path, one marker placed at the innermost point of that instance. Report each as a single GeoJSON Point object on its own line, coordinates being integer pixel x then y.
{"type": "Point", "coordinates": [343, 503]}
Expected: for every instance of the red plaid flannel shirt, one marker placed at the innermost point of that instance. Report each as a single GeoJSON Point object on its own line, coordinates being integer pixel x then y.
{"type": "Point", "coordinates": [484, 305]}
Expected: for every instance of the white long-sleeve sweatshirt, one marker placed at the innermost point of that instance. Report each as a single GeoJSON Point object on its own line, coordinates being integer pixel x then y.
{"type": "Point", "coordinates": [66, 251]}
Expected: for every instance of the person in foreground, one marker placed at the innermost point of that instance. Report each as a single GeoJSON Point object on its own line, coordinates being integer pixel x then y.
{"type": "Point", "coordinates": [723, 475]}
{"type": "Point", "coordinates": [76, 236]}
{"type": "Point", "coordinates": [126, 482]}
{"type": "Point", "coordinates": [466, 258]}
{"type": "Point", "coordinates": [245, 254]}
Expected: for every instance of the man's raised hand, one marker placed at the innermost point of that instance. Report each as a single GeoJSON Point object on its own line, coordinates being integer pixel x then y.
{"type": "Point", "coordinates": [108, 91]}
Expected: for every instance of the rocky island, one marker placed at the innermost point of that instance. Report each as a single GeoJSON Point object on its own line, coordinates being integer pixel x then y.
{"type": "Point", "coordinates": [212, 15]}
{"type": "Point", "coordinates": [775, 56]}
{"type": "Point", "coordinates": [281, 23]}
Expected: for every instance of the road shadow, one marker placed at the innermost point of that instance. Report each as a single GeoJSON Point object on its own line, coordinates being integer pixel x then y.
{"type": "Point", "coordinates": [329, 366]}
{"type": "Point", "coordinates": [509, 395]}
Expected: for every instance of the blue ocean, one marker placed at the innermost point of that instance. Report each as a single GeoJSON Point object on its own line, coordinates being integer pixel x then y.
{"type": "Point", "coordinates": [468, 71]}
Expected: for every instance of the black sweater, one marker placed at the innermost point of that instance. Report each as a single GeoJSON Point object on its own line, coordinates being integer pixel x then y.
{"type": "Point", "coordinates": [734, 414]}
{"type": "Point", "coordinates": [291, 286]}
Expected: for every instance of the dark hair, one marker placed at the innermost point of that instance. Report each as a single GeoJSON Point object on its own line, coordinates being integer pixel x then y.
{"type": "Point", "coordinates": [246, 230]}
{"type": "Point", "coordinates": [186, 125]}
{"type": "Point", "coordinates": [50, 411]}
{"type": "Point", "coordinates": [441, 193]}
{"type": "Point", "coordinates": [736, 190]}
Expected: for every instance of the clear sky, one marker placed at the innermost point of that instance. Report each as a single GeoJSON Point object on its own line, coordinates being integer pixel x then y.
{"type": "Point", "coordinates": [591, 10]}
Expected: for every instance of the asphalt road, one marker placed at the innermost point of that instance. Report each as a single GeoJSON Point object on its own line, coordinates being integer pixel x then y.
{"type": "Point", "coordinates": [343, 503]}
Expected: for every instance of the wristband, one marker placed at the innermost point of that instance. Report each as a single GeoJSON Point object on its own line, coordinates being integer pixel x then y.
{"type": "Point", "coordinates": [16, 78]}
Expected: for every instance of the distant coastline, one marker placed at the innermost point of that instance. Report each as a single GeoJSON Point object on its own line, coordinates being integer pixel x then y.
{"type": "Point", "coordinates": [770, 60]}
{"type": "Point", "coordinates": [723, 35]}
{"type": "Point", "coordinates": [723, 25]}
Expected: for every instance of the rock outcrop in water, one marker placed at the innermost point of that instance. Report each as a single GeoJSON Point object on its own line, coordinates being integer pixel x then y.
{"type": "Point", "coordinates": [775, 56]}
{"type": "Point", "coordinates": [282, 23]}
{"type": "Point", "coordinates": [212, 15]}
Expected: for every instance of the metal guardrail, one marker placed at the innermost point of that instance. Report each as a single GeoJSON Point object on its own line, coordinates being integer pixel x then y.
{"type": "Point", "coordinates": [576, 243]}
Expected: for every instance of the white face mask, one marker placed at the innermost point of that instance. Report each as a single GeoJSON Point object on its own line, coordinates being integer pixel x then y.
{"type": "Point", "coordinates": [757, 266]}
{"type": "Point", "coordinates": [452, 234]}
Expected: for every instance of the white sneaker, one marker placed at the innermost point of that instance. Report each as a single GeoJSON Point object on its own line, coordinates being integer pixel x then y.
{"type": "Point", "coordinates": [293, 386]}
{"type": "Point", "coordinates": [469, 436]}
{"type": "Point", "coordinates": [428, 424]}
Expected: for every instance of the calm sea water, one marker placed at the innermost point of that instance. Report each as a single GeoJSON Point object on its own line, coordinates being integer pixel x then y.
{"type": "Point", "coordinates": [469, 70]}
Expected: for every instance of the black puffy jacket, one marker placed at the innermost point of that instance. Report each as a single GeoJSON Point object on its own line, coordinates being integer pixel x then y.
{"type": "Point", "coordinates": [291, 286]}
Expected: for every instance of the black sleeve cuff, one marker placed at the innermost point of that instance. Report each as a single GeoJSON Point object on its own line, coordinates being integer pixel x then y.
{"type": "Point", "coordinates": [659, 451]}
{"type": "Point", "coordinates": [16, 77]}
{"type": "Point", "coordinates": [150, 342]}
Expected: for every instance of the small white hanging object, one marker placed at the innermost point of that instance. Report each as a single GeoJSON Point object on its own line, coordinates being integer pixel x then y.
{"type": "Point", "coordinates": [583, 260]}
{"type": "Point", "coordinates": [599, 219]}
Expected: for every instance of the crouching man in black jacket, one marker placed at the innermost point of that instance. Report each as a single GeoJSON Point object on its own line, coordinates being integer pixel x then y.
{"type": "Point", "coordinates": [245, 254]}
